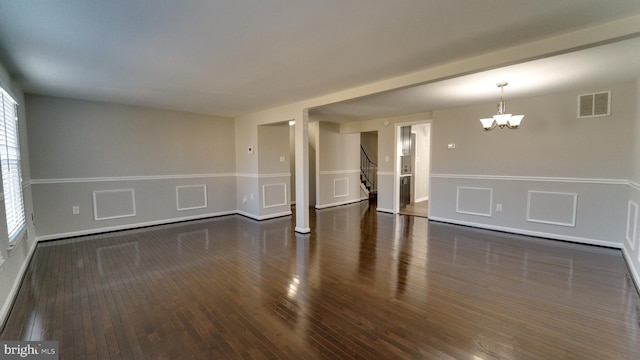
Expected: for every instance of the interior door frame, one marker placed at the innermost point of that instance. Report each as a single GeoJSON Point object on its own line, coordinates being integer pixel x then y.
{"type": "Point", "coordinates": [396, 160]}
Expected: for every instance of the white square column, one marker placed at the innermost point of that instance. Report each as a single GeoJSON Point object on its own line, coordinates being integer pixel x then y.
{"type": "Point", "coordinates": [301, 132]}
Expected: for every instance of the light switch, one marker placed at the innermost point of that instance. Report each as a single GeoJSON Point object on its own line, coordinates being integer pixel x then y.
{"type": "Point", "coordinates": [282, 158]}
{"type": "Point", "coordinates": [451, 146]}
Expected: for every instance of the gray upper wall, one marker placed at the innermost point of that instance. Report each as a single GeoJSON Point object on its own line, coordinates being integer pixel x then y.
{"type": "Point", "coordinates": [635, 163]}
{"type": "Point", "coordinates": [552, 141]}
{"type": "Point", "coordinates": [338, 152]}
{"type": "Point", "coordinates": [84, 139]}
{"type": "Point", "coordinates": [273, 143]}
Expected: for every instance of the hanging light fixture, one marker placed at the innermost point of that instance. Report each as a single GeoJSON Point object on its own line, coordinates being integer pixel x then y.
{"type": "Point", "coordinates": [501, 119]}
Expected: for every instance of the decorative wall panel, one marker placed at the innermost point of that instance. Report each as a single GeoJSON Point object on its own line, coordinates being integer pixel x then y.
{"type": "Point", "coordinates": [474, 200]}
{"type": "Point", "coordinates": [274, 195]}
{"type": "Point", "coordinates": [114, 204]}
{"type": "Point", "coordinates": [555, 208]}
{"type": "Point", "coordinates": [340, 187]}
{"type": "Point", "coordinates": [191, 197]}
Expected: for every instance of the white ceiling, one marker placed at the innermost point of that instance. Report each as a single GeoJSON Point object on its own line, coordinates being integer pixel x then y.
{"type": "Point", "coordinates": [603, 65]}
{"type": "Point", "coordinates": [234, 57]}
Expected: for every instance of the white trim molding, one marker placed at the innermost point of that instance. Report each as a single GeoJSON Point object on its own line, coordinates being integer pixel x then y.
{"type": "Point", "coordinates": [264, 195]}
{"type": "Point", "coordinates": [533, 178]}
{"type": "Point", "coordinates": [302, 230]}
{"type": "Point", "coordinates": [461, 211]}
{"type": "Point", "coordinates": [128, 178]}
{"type": "Point", "coordinates": [262, 217]}
{"type": "Point", "coordinates": [632, 224]}
{"type": "Point", "coordinates": [383, 210]}
{"type": "Point", "coordinates": [540, 234]}
{"type": "Point", "coordinates": [335, 186]}
{"type": "Point", "coordinates": [632, 269]}
{"type": "Point", "coordinates": [132, 226]}
{"type": "Point", "coordinates": [571, 223]}
{"type": "Point", "coordinates": [95, 204]}
{"type": "Point", "coordinates": [263, 176]}
{"type": "Point", "coordinates": [340, 172]}
{"type": "Point", "coordinates": [204, 193]}
{"type": "Point", "coordinates": [13, 292]}
{"type": "Point", "coordinates": [319, 207]}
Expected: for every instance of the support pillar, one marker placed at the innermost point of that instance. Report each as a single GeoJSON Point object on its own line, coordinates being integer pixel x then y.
{"type": "Point", "coordinates": [302, 171]}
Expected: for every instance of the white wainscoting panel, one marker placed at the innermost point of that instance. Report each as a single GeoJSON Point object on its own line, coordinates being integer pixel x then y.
{"type": "Point", "coordinates": [274, 195]}
{"type": "Point", "coordinates": [189, 197]}
{"type": "Point", "coordinates": [474, 200]}
{"type": "Point", "coordinates": [114, 204]}
{"type": "Point", "coordinates": [632, 224]}
{"type": "Point", "coordinates": [554, 208]}
{"type": "Point", "coordinates": [340, 187]}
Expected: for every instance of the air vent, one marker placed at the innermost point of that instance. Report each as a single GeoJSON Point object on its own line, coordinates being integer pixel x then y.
{"type": "Point", "coordinates": [597, 104]}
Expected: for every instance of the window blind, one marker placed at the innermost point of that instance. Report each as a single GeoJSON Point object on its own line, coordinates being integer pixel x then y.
{"type": "Point", "coordinates": [11, 168]}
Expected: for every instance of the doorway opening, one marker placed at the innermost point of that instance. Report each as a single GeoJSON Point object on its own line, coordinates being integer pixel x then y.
{"type": "Point", "coordinates": [369, 166]}
{"type": "Point", "coordinates": [412, 170]}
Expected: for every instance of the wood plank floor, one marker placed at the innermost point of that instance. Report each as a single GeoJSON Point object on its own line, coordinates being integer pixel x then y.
{"type": "Point", "coordinates": [361, 285]}
{"type": "Point", "coordinates": [416, 209]}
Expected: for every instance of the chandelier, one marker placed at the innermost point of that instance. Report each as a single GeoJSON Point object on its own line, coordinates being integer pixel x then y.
{"type": "Point", "coordinates": [501, 119]}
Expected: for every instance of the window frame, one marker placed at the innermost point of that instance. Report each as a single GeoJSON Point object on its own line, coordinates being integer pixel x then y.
{"type": "Point", "coordinates": [11, 168]}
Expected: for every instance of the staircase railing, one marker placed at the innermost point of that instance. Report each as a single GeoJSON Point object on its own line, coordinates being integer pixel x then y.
{"type": "Point", "coordinates": [369, 171]}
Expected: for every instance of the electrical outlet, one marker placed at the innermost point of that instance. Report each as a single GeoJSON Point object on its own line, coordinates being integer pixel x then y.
{"type": "Point", "coordinates": [498, 207]}
{"type": "Point", "coordinates": [75, 210]}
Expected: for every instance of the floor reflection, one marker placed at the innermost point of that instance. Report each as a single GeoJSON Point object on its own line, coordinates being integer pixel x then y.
{"type": "Point", "coordinates": [361, 284]}
{"type": "Point", "coordinates": [404, 254]}
{"type": "Point", "coordinates": [368, 243]}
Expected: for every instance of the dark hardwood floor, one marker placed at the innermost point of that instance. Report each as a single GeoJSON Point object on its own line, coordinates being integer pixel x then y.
{"type": "Point", "coordinates": [416, 209]}
{"type": "Point", "coordinates": [361, 285]}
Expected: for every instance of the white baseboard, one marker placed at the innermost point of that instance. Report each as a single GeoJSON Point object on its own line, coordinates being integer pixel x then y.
{"type": "Point", "coordinates": [632, 270]}
{"type": "Point", "coordinates": [11, 296]}
{"type": "Point", "coordinates": [385, 210]}
{"type": "Point", "coordinates": [338, 204]}
{"type": "Point", "coordinates": [302, 230]}
{"type": "Point", "coordinates": [129, 226]}
{"type": "Point", "coordinates": [263, 217]}
{"type": "Point", "coordinates": [157, 222]}
{"type": "Point", "coordinates": [422, 199]}
{"type": "Point", "coordinates": [575, 239]}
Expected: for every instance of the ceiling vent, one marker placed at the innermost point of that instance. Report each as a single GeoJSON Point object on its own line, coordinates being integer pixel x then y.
{"type": "Point", "coordinates": [597, 104]}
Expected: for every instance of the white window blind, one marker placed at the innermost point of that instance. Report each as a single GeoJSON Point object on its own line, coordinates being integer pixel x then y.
{"type": "Point", "coordinates": [11, 169]}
